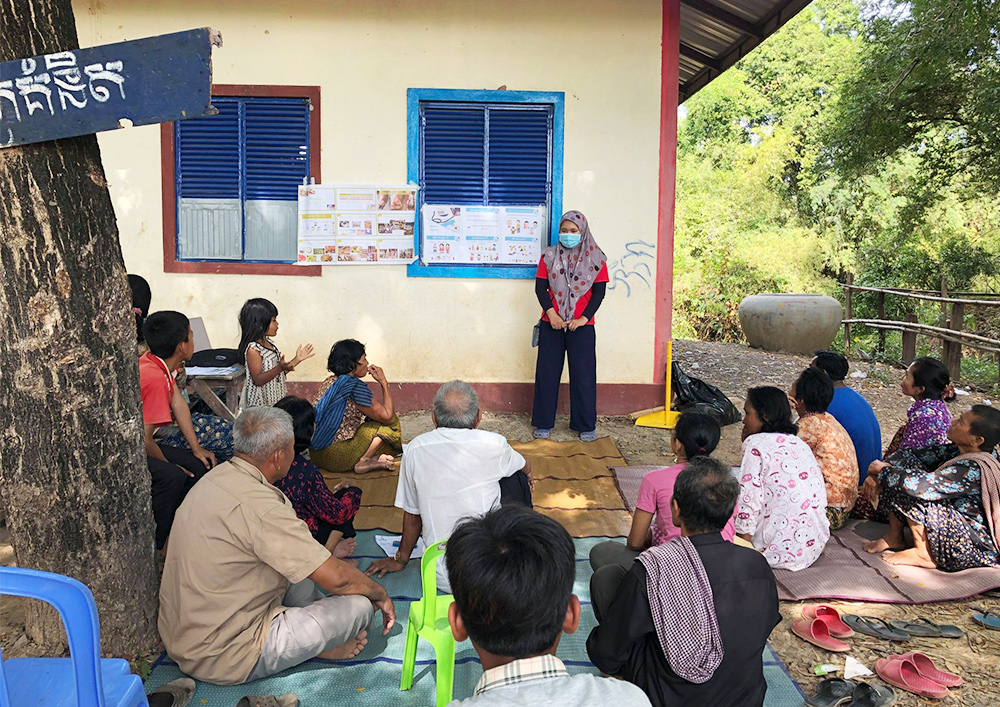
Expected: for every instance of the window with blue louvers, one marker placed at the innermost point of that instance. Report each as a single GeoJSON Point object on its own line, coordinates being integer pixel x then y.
{"type": "Point", "coordinates": [237, 175]}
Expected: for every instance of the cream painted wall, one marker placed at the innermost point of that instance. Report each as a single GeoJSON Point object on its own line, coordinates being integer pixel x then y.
{"type": "Point", "coordinates": [364, 55]}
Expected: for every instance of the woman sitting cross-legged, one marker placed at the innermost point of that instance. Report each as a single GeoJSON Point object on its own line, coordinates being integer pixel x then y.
{"type": "Point", "coordinates": [782, 493]}
{"type": "Point", "coordinates": [948, 495]}
{"type": "Point", "coordinates": [328, 513]}
{"type": "Point", "coordinates": [353, 430]}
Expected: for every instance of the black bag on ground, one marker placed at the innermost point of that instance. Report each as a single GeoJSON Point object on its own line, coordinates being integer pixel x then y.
{"type": "Point", "coordinates": [694, 395]}
{"type": "Point", "coordinates": [215, 357]}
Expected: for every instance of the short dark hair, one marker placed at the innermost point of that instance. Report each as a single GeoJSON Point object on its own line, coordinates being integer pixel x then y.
{"type": "Point", "coordinates": [165, 331]}
{"type": "Point", "coordinates": [303, 420]}
{"type": "Point", "coordinates": [706, 492]}
{"type": "Point", "coordinates": [512, 573]}
{"type": "Point", "coordinates": [141, 297]}
{"type": "Point", "coordinates": [986, 424]}
{"type": "Point", "coordinates": [773, 409]}
{"type": "Point", "coordinates": [931, 375]}
{"type": "Point", "coordinates": [698, 433]}
{"type": "Point", "coordinates": [815, 389]}
{"type": "Point", "coordinates": [833, 364]}
{"type": "Point", "coordinates": [344, 356]}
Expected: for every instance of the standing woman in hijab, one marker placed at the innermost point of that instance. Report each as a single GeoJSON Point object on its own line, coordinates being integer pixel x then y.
{"type": "Point", "coordinates": [570, 284]}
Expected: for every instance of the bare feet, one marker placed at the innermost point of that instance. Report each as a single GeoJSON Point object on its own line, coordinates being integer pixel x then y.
{"type": "Point", "coordinates": [345, 548]}
{"type": "Point", "coordinates": [883, 544]}
{"type": "Point", "coordinates": [912, 557]}
{"type": "Point", "coordinates": [348, 650]}
{"type": "Point", "coordinates": [385, 462]}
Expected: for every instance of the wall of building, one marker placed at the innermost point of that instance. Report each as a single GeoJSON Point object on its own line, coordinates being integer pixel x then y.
{"type": "Point", "coordinates": [364, 56]}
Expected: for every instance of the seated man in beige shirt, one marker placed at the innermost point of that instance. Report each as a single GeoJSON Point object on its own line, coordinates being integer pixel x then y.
{"type": "Point", "coordinates": [239, 597]}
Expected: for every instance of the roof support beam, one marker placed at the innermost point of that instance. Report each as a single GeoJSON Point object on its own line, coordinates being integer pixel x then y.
{"type": "Point", "coordinates": [724, 16]}
{"type": "Point", "coordinates": [700, 57]}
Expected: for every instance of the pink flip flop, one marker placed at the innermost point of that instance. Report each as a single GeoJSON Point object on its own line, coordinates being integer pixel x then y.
{"type": "Point", "coordinates": [903, 674]}
{"type": "Point", "coordinates": [925, 666]}
{"type": "Point", "coordinates": [829, 616]}
{"type": "Point", "coordinates": [818, 633]}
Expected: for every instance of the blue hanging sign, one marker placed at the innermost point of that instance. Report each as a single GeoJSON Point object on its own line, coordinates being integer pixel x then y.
{"type": "Point", "coordinates": [83, 91]}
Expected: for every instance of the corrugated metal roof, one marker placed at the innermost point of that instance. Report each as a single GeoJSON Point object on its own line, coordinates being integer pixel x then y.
{"type": "Point", "coordinates": [715, 34]}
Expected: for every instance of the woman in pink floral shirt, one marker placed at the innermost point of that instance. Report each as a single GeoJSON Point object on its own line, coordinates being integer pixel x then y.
{"type": "Point", "coordinates": [782, 494]}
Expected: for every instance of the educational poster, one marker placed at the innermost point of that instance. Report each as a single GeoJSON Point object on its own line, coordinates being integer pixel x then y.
{"type": "Point", "coordinates": [523, 232]}
{"type": "Point", "coordinates": [356, 225]}
{"type": "Point", "coordinates": [441, 228]}
{"type": "Point", "coordinates": [481, 234]}
{"type": "Point", "coordinates": [317, 227]}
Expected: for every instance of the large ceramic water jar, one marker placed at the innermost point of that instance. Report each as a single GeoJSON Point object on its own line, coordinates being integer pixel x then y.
{"type": "Point", "coordinates": [795, 323]}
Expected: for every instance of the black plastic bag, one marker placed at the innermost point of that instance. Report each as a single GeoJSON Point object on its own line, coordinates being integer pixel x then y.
{"type": "Point", "coordinates": [694, 395]}
{"type": "Point", "coordinates": [220, 358]}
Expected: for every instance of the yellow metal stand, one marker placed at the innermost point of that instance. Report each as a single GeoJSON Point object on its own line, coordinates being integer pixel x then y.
{"type": "Point", "coordinates": [664, 419]}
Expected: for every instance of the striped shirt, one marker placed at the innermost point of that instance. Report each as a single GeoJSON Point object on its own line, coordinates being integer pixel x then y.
{"type": "Point", "coordinates": [330, 408]}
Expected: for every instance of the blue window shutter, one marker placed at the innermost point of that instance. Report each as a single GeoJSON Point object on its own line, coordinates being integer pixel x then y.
{"type": "Point", "coordinates": [519, 148]}
{"type": "Point", "coordinates": [453, 158]}
{"type": "Point", "coordinates": [208, 153]}
{"type": "Point", "coordinates": [277, 147]}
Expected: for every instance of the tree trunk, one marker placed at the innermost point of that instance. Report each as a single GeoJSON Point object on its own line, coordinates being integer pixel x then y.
{"type": "Point", "coordinates": [72, 464]}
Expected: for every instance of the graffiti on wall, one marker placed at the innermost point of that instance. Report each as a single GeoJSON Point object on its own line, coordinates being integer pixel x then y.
{"type": "Point", "coordinates": [634, 269]}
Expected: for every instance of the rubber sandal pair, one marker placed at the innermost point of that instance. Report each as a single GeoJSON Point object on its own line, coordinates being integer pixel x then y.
{"type": "Point", "coordinates": [987, 618]}
{"type": "Point", "coordinates": [916, 673]}
{"type": "Point", "coordinates": [874, 626]}
{"type": "Point", "coordinates": [838, 692]}
{"type": "Point", "coordinates": [821, 625]}
{"type": "Point", "coordinates": [926, 628]}
{"type": "Point", "coordinates": [287, 700]}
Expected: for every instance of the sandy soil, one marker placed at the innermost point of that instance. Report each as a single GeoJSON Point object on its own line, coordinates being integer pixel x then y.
{"type": "Point", "coordinates": [734, 368]}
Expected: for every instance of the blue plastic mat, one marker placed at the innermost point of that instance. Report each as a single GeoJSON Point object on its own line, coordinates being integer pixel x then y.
{"type": "Point", "coordinates": [372, 680]}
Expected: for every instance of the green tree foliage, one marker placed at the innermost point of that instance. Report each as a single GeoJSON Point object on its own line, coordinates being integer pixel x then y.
{"type": "Point", "coordinates": [773, 193]}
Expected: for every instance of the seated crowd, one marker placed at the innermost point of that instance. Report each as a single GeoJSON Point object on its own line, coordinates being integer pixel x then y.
{"type": "Point", "coordinates": [256, 577]}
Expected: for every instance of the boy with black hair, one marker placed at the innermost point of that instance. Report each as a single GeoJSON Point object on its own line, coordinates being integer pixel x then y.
{"type": "Point", "coordinates": [833, 448]}
{"type": "Point", "coordinates": [173, 470]}
{"type": "Point", "coordinates": [689, 621]}
{"type": "Point", "coordinates": [852, 411]}
{"type": "Point", "coordinates": [512, 573]}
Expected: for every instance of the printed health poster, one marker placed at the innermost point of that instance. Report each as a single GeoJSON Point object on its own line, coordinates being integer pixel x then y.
{"type": "Point", "coordinates": [523, 230]}
{"type": "Point", "coordinates": [317, 227]}
{"type": "Point", "coordinates": [481, 234]}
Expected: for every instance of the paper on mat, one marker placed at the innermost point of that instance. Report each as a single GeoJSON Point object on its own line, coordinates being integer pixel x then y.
{"type": "Point", "coordinates": [390, 543]}
{"type": "Point", "coordinates": [853, 668]}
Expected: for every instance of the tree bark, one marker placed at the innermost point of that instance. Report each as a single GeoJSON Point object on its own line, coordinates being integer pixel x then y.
{"type": "Point", "coordinates": [73, 472]}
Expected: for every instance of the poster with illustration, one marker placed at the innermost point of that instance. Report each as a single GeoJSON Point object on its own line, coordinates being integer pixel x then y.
{"type": "Point", "coordinates": [357, 198]}
{"type": "Point", "coordinates": [396, 223]}
{"type": "Point", "coordinates": [356, 251]}
{"type": "Point", "coordinates": [523, 230]}
{"type": "Point", "coordinates": [395, 249]}
{"type": "Point", "coordinates": [317, 228]}
{"type": "Point", "coordinates": [402, 198]}
{"type": "Point", "coordinates": [441, 233]}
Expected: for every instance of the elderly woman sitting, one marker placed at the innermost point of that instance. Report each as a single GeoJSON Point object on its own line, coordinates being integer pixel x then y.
{"type": "Point", "coordinates": [948, 495]}
{"type": "Point", "coordinates": [353, 430]}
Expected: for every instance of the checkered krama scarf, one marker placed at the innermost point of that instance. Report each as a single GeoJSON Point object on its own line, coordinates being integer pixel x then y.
{"type": "Point", "coordinates": [683, 609]}
{"type": "Point", "coordinates": [572, 271]}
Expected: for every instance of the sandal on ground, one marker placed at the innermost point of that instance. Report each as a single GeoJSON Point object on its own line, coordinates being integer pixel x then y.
{"type": "Point", "coordinates": [542, 433]}
{"type": "Point", "coordinates": [987, 618]}
{"type": "Point", "coordinates": [903, 674]}
{"type": "Point", "coordinates": [180, 692]}
{"type": "Point", "coordinates": [927, 628]}
{"type": "Point", "coordinates": [925, 666]}
{"type": "Point", "coordinates": [867, 695]}
{"type": "Point", "coordinates": [832, 692]}
{"type": "Point", "coordinates": [287, 700]}
{"type": "Point", "coordinates": [818, 633]}
{"type": "Point", "coordinates": [588, 436]}
{"type": "Point", "coordinates": [874, 626]}
{"type": "Point", "coordinates": [830, 616]}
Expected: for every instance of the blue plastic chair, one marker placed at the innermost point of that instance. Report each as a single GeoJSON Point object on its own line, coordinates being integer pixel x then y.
{"type": "Point", "coordinates": [82, 680]}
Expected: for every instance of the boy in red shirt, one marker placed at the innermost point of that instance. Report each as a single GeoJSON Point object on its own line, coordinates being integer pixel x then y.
{"type": "Point", "coordinates": [173, 470]}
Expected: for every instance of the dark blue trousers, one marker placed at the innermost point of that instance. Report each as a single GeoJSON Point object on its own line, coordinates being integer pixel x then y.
{"type": "Point", "coordinates": [554, 346]}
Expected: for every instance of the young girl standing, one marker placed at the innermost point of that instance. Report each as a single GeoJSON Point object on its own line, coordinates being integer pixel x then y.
{"type": "Point", "coordinates": [266, 367]}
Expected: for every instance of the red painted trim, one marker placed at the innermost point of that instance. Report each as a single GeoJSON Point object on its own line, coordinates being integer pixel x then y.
{"type": "Point", "coordinates": [669, 84]}
{"type": "Point", "coordinates": [612, 398]}
{"type": "Point", "coordinates": [170, 262]}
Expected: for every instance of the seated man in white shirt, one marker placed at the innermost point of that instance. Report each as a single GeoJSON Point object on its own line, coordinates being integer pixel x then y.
{"type": "Point", "coordinates": [497, 561]}
{"type": "Point", "coordinates": [451, 473]}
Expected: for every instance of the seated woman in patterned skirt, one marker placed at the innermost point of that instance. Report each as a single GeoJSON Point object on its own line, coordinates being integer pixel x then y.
{"type": "Point", "coordinates": [948, 495]}
{"type": "Point", "coordinates": [353, 430]}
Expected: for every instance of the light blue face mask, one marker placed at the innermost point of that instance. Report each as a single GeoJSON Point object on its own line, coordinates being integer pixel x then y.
{"type": "Point", "coordinates": [570, 240]}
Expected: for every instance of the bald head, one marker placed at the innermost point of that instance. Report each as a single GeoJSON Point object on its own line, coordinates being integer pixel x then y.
{"type": "Point", "coordinates": [456, 405]}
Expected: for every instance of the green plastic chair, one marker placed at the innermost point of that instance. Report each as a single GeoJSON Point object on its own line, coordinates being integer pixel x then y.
{"type": "Point", "coordinates": [429, 620]}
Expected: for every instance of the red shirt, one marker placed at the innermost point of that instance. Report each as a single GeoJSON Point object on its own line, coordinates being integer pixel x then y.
{"type": "Point", "coordinates": [157, 389]}
{"type": "Point", "coordinates": [581, 304]}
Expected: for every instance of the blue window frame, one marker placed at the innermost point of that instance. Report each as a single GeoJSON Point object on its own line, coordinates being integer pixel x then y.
{"type": "Point", "coordinates": [485, 148]}
{"type": "Point", "coordinates": [237, 175]}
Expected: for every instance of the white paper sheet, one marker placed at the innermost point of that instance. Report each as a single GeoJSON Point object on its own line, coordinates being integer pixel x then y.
{"type": "Point", "coordinates": [390, 543]}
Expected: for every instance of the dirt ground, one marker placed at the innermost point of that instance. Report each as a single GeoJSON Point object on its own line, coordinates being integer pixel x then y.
{"type": "Point", "coordinates": [734, 368]}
